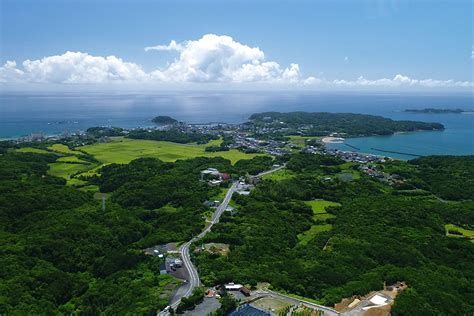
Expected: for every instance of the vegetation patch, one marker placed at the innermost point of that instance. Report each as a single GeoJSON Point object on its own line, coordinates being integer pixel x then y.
{"type": "Point", "coordinates": [310, 234]}
{"type": "Point", "coordinates": [216, 248]}
{"type": "Point", "coordinates": [66, 170]}
{"type": "Point", "coordinates": [32, 150]}
{"type": "Point", "coordinates": [302, 140]}
{"type": "Point", "coordinates": [63, 149]}
{"type": "Point", "coordinates": [123, 150]}
{"type": "Point", "coordinates": [319, 206]}
{"type": "Point", "coordinates": [283, 174]}
{"type": "Point", "coordinates": [456, 231]}
{"type": "Point", "coordinates": [72, 159]}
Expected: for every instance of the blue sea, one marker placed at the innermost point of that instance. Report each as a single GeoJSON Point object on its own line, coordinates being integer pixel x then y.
{"type": "Point", "coordinates": [56, 113]}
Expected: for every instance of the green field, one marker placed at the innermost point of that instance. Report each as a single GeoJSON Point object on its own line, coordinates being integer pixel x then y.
{"type": "Point", "coordinates": [301, 140]}
{"type": "Point", "coordinates": [319, 214]}
{"type": "Point", "coordinates": [319, 206]}
{"type": "Point", "coordinates": [466, 233]}
{"type": "Point", "coordinates": [279, 175]}
{"type": "Point", "coordinates": [63, 149]}
{"type": "Point", "coordinates": [124, 150]}
{"type": "Point", "coordinates": [73, 159]}
{"type": "Point", "coordinates": [32, 150]}
{"type": "Point", "coordinates": [306, 236]}
{"type": "Point", "coordinates": [66, 170]}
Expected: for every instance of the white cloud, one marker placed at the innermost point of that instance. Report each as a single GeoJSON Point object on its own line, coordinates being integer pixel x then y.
{"type": "Point", "coordinates": [171, 46]}
{"type": "Point", "coordinates": [9, 72]}
{"type": "Point", "coordinates": [402, 81]}
{"type": "Point", "coordinates": [72, 67]}
{"type": "Point", "coordinates": [210, 59]}
{"type": "Point", "coordinates": [215, 58]}
{"type": "Point", "coordinates": [346, 59]}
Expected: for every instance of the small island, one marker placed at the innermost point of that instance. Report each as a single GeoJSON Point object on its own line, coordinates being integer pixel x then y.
{"type": "Point", "coordinates": [435, 111]}
{"type": "Point", "coordinates": [164, 120]}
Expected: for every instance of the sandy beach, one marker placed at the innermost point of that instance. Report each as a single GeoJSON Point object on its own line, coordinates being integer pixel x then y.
{"type": "Point", "coordinates": [332, 140]}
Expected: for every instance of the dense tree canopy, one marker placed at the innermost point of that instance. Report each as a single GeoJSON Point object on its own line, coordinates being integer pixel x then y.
{"type": "Point", "coordinates": [376, 236]}
{"type": "Point", "coordinates": [61, 253]}
{"type": "Point", "coordinates": [352, 124]}
{"type": "Point", "coordinates": [172, 135]}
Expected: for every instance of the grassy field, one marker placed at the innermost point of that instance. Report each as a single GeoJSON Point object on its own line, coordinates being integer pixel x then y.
{"type": "Point", "coordinates": [319, 214]}
{"type": "Point", "coordinates": [72, 159]}
{"type": "Point", "coordinates": [306, 236]}
{"type": "Point", "coordinates": [279, 175]}
{"type": "Point", "coordinates": [32, 150]}
{"type": "Point", "coordinates": [123, 150]}
{"type": "Point", "coordinates": [466, 233]}
{"type": "Point", "coordinates": [63, 149]}
{"type": "Point", "coordinates": [66, 170]}
{"type": "Point", "coordinates": [301, 140]}
{"type": "Point", "coordinates": [319, 206]}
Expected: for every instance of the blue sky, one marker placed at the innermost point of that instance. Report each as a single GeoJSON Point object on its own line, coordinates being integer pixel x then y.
{"type": "Point", "coordinates": [328, 40]}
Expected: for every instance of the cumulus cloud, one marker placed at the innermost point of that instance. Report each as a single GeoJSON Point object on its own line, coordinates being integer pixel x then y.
{"type": "Point", "coordinates": [215, 58]}
{"type": "Point", "coordinates": [402, 81]}
{"type": "Point", "coordinates": [210, 59]}
{"type": "Point", "coordinates": [72, 67]}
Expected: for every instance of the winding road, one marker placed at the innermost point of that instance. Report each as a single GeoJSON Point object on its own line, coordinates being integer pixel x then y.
{"type": "Point", "coordinates": [187, 289]}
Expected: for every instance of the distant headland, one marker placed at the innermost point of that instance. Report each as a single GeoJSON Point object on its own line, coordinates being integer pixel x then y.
{"type": "Point", "coordinates": [435, 111]}
{"type": "Point", "coordinates": [165, 120]}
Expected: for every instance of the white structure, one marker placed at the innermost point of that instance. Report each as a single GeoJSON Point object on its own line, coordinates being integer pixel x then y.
{"type": "Point", "coordinates": [233, 287]}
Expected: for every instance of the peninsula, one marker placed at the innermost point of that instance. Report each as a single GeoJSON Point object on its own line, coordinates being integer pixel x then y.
{"type": "Point", "coordinates": [435, 111]}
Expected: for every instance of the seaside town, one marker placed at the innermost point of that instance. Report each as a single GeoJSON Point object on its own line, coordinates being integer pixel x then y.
{"type": "Point", "coordinates": [245, 137]}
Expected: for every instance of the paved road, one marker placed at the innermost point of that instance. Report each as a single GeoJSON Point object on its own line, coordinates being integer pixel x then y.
{"type": "Point", "coordinates": [193, 282]}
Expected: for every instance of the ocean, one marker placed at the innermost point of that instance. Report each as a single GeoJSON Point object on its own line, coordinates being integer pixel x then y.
{"type": "Point", "coordinates": [56, 113]}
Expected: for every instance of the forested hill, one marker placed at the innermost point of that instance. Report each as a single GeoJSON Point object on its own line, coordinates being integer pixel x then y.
{"type": "Point", "coordinates": [322, 123]}
{"type": "Point", "coordinates": [62, 254]}
{"type": "Point", "coordinates": [307, 233]}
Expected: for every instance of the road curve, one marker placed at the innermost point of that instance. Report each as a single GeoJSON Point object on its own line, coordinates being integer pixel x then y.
{"type": "Point", "coordinates": [187, 289]}
{"type": "Point", "coordinates": [194, 281]}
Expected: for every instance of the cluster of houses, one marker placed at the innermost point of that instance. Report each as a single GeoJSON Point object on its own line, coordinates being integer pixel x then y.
{"type": "Point", "coordinates": [355, 156]}
{"type": "Point", "coordinates": [272, 147]}
{"type": "Point", "coordinates": [380, 175]}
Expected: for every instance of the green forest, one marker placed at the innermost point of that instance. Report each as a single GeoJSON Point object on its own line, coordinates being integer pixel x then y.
{"type": "Point", "coordinates": [376, 235]}
{"type": "Point", "coordinates": [61, 253]}
{"type": "Point", "coordinates": [323, 123]}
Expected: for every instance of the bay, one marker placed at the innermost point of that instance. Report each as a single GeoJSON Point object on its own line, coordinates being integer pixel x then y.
{"type": "Point", "coordinates": [55, 113]}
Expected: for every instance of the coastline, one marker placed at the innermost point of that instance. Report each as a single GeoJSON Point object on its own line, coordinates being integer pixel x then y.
{"type": "Point", "coordinates": [332, 140]}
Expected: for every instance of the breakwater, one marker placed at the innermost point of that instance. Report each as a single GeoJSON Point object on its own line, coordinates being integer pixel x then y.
{"type": "Point", "coordinates": [396, 152]}
{"type": "Point", "coordinates": [353, 147]}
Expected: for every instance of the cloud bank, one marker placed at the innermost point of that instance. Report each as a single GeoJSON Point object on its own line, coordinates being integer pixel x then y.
{"type": "Point", "coordinates": [210, 59]}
